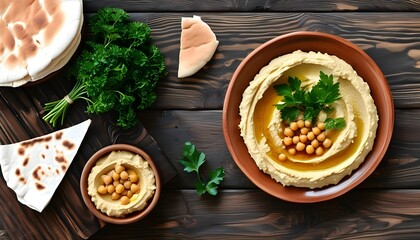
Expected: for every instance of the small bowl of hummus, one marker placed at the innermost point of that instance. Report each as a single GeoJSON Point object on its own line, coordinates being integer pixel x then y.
{"type": "Point", "coordinates": [120, 184]}
{"type": "Point", "coordinates": [308, 116]}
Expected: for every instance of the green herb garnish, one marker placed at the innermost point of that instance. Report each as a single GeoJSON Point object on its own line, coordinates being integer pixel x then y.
{"type": "Point", "coordinates": [117, 70]}
{"type": "Point", "coordinates": [309, 102]}
{"type": "Point", "coordinates": [192, 162]}
{"type": "Point", "coordinates": [335, 123]}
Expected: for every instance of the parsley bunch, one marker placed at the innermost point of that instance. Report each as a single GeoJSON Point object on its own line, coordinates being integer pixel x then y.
{"type": "Point", "coordinates": [117, 70]}
{"type": "Point", "coordinates": [309, 102]}
{"type": "Point", "coordinates": [192, 162]}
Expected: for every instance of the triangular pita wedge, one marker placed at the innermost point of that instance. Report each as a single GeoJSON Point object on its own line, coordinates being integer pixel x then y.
{"type": "Point", "coordinates": [34, 168]}
{"type": "Point", "coordinates": [197, 46]}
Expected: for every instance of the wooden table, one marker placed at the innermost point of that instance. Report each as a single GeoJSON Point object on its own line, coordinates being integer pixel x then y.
{"type": "Point", "coordinates": [386, 205]}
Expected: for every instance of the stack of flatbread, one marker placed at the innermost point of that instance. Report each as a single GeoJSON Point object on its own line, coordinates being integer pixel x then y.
{"type": "Point", "coordinates": [34, 168]}
{"type": "Point", "coordinates": [197, 46]}
{"type": "Point", "coordinates": [37, 37]}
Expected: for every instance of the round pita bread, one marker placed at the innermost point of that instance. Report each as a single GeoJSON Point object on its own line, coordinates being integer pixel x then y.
{"type": "Point", "coordinates": [40, 36]}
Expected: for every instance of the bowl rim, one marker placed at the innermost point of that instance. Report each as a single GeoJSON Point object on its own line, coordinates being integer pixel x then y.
{"type": "Point", "coordinates": [332, 192]}
{"type": "Point", "coordinates": [84, 185]}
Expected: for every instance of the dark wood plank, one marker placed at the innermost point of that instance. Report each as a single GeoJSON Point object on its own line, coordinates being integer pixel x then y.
{"type": "Point", "coordinates": [254, 5]}
{"type": "Point", "coordinates": [394, 39]}
{"type": "Point", "coordinates": [246, 214]}
{"type": "Point", "coordinates": [398, 169]}
{"type": "Point", "coordinates": [20, 119]}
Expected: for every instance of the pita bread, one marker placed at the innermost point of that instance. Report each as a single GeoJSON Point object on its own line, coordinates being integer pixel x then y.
{"type": "Point", "coordinates": [198, 44]}
{"type": "Point", "coordinates": [34, 168]}
{"type": "Point", "coordinates": [44, 33]}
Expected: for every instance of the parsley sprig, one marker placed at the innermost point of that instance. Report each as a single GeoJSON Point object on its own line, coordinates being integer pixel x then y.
{"type": "Point", "coordinates": [117, 70]}
{"type": "Point", "coordinates": [192, 162]}
{"type": "Point", "coordinates": [309, 102]}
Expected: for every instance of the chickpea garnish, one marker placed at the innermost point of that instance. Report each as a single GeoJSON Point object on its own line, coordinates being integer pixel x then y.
{"type": "Point", "coordinates": [327, 143]}
{"type": "Point", "coordinates": [319, 151]}
{"type": "Point", "coordinates": [124, 200]}
{"type": "Point", "coordinates": [321, 126]}
{"type": "Point", "coordinates": [294, 126]}
{"type": "Point", "coordinates": [296, 139]}
{"type": "Point", "coordinates": [287, 141]}
{"type": "Point", "coordinates": [310, 149]}
{"type": "Point", "coordinates": [102, 190]}
{"type": "Point", "coordinates": [120, 183]}
{"type": "Point", "coordinates": [292, 151]}
{"type": "Point", "coordinates": [301, 123]}
{"type": "Point", "coordinates": [300, 146]}
{"type": "Point", "coordinates": [303, 138]}
{"type": "Point", "coordinates": [282, 157]}
{"type": "Point", "coordinates": [321, 137]}
{"type": "Point", "coordinates": [316, 131]}
{"type": "Point", "coordinates": [288, 132]}
{"type": "Point", "coordinates": [311, 136]}
{"type": "Point", "coordinates": [304, 130]}
{"type": "Point", "coordinates": [308, 124]}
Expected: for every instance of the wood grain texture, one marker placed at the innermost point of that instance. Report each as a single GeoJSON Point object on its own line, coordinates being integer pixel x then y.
{"type": "Point", "coordinates": [391, 40]}
{"type": "Point", "coordinates": [190, 109]}
{"type": "Point", "coordinates": [21, 119]}
{"type": "Point", "coordinates": [398, 169]}
{"type": "Point", "coordinates": [254, 5]}
{"type": "Point", "coordinates": [250, 214]}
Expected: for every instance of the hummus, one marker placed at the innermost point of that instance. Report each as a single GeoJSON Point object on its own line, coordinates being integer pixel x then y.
{"type": "Point", "coordinates": [263, 128]}
{"type": "Point", "coordinates": [131, 183]}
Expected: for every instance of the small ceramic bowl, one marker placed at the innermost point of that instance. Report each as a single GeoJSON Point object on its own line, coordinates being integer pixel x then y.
{"type": "Point", "coordinates": [317, 42]}
{"type": "Point", "coordinates": [134, 216]}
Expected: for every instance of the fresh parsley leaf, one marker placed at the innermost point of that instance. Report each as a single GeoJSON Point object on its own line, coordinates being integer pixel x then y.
{"type": "Point", "coordinates": [192, 161]}
{"type": "Point", "coordinates": [310, 103]}
{"type": "Point", "coordinates": [335, 123]}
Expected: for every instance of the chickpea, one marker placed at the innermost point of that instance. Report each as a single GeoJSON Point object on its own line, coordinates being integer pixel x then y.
{"type": "Point", "coordinates": [304, 130]}
{"type": "Point", "coordinates": [301, 123]}
{"type": "Point", "coordinates": [110, 188]}
{"type": "Point", "coordinates": [120, 188]}
{"type": "Point", "coordinates": [292, 151]}
{"type": "Point", "coordinates": [300, 146]}
{"type": "Point", "coordinates": [127, 184]}
{"type": "Point", "coordinates": [287, 141]}
{"type": "Point", "coordinates": [281, 157]}
{"type": "Point", "coordinates": [129, 194]}
{"type": "Point", "coordinates": [288, 132]}
{"type": "Point", "coordinates": [295, 139]}
{"type": "Point", "coordinates": [310, 149]}
{"type": "Point", "coordinates": [308, 124]}
{"type": "Point", "coordinates": [135, 188]}
{"type": "Point", "coordinates": [124, 175]}
{"type": "Point", "coordinates": [315, 143]}
{"type": "Point", "coordinates": [316, 131]}
{"type": "Point", "coordinates": [124, 200]}
{"type": "Point", "coordinates": [107, 179]}
{"type": "Point", "coordinates": [321, 126]}
{"type": "Point", "coordinates": [319, 151]}
{"type": "Point", "coordinates": [119, 169]}
{"type": "Point", "coordinates": [294, 126]}
{"type": "Point", "coordinates": [115, 196]}
{"type": "Point", "coordinates": [102, 190]}
{"type": "Point", "coordinates": [327, 143]}
{"type": "Point", "coordinates": [115, 176]}
{"type": "Point", "coordinates": [134, 178]}
{"type": "Point", "coordinates": [321, 137]}
{"type": "Point", "coordinates": [124, 193]}
{"type": "Point", "coordinates": [115, 183]}
{"type": "Point", "coordinates": [303, 138]}
{"type": "Point", "coordinates": [311, 136]}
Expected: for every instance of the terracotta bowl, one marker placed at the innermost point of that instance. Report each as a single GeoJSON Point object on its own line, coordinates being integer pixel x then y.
{"type": "Point", "coordinates": [132, 217]}
{"type": "Point", "coordinates": [307, 41]}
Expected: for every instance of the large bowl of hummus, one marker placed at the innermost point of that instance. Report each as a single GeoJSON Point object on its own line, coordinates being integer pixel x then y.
{"type": "Point", "coordinates": [120, 184]}
{"type": "Point", "coordinates": [308, 116]}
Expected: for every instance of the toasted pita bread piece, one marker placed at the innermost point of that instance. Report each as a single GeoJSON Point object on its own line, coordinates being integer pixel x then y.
{"type": "Point", "coordinates": [197, 46]}
{"type": "Point", "coordinates": [34, 168]}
